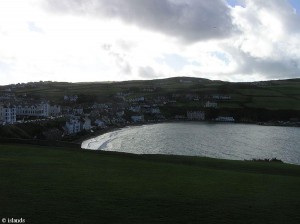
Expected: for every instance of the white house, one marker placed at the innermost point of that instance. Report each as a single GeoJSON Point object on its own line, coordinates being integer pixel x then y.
{"type": "Point", "coordinates": [225, 119]}
{"type": "Point", "coordinates": [155, 110]}
{"type": "Point", "coordinates": [73, 126]}
{"type": "Point", "coordinates": [7, 114]}
{"type": "Point", "coordinates": [135, 109]}
{"type": "Point", "coordinates": [137, 118]}
{"type": "Point", "coordinates": [100, 123]}
{"type": "Point", "coordinates": [36, 110]}
{"type": "Point", "coordinates": [210, 104]}
{"type": "Point", "coordinates": [221, 97]}
{"type": "Point", "coordinates": [138, 99]}
{"type": "Point", "coordinates": [87, 124]}
{"type": "Point", "coordinates": [100, 106]}
{"type": "Point", "coordinates": [195, 115]}
{"type": "Point", "coordinates": [55, 110]}
{"type": "Point", "coordinates": [71, 98]}
{"type": "Point", "coordinates": [78, 111]}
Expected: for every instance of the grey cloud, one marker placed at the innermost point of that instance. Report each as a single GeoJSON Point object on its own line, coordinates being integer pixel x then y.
{"type": "Point", "coordinates": [188, 20]}
{"type": "Point", "coordinates": [269, 68]}
{"type": "Point", "coordinates": [147, 72]}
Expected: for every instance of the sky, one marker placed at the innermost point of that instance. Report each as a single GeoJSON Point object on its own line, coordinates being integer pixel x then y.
{"type": "Point", "coordinates": [116, 40]}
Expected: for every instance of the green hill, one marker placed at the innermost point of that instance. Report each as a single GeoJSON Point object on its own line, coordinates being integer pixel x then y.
{"type": "Point", "coordinates": [57, 185]}
{"type": "Point", "coordinates": [272, 95]}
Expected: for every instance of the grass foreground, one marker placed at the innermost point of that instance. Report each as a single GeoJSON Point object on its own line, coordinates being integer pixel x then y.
{"type": "Point", "coordinates": [60, 185]}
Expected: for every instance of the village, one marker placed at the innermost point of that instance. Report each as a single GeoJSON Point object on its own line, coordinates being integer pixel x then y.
{"type": "Point", "coordinates": [67, 111]}
{"type": "Point", "coordinates": [74, 116]}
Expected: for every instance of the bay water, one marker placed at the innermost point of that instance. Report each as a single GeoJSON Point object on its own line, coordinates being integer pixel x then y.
{"type": "Point", "coordinates": [216, 140]}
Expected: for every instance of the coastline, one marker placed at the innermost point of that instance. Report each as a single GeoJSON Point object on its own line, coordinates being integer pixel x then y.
{"type": "Point", "coordinates": [103, 131]}
{"type": "Point", "coordinates": [118, 127]}
{"type": "Point", "coordinates": [100, 132]}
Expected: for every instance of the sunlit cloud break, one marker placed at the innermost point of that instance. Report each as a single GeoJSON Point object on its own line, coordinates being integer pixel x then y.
{"type": "Point", "coordinates": [97, 40]}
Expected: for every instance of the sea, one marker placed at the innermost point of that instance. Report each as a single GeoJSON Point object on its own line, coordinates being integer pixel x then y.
{"type": "Point", "coordinates": [216, 140]}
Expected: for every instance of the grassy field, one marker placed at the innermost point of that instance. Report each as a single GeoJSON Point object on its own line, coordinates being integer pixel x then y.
{"type": "Point", "coordinates": [57, 185]}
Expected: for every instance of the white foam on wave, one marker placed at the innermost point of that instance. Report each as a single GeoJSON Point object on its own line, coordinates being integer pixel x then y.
{"type": "Point", "coordinates": [102, 142]}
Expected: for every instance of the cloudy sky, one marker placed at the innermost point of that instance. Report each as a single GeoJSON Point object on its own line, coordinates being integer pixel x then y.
{"type": "Point", "coordinates": [112, 40]}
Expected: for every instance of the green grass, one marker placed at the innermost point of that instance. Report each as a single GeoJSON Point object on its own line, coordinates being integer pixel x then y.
{"type": "Point", "coordinates": [56, 185]}
{"type": "Point", "coordinates": [274, 103]}
{"type": "Point", "coordinates": [292, 89]}
{"type": "Point", "coordinates": [259, 92]}
{"type": "Point", "coordinates": [229, 105]}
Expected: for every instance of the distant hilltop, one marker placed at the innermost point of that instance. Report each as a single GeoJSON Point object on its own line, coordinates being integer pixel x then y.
{"type": "Point", "coordinates": [182, 79]}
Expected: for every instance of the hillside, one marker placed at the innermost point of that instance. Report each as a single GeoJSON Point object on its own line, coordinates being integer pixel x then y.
{"type": "Point", "coordinates": [117, 104]}
{"type": "Point", "coordinates": [57, 185]}
{"type": "Point", "coordinates": [273, 95]}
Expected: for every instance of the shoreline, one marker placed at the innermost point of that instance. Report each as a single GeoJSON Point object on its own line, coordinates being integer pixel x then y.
{"type": "Point", "coordinates": [100, 132]}
{"type": "Point", "coordinates": [115, 128]}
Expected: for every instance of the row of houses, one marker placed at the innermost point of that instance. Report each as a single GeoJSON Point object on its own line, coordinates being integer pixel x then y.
{"type": "Point", "coordinates": [9, 113]}
{"type": "Point", "coordinates": [38, 110]}
{"type": "Point", "coordinates": [145, 109]}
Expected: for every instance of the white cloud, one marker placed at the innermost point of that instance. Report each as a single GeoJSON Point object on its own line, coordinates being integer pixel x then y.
{"type": "Point", "coordinates": [142, 39]}
{"type": "Point", "coordinates": [268, 45]}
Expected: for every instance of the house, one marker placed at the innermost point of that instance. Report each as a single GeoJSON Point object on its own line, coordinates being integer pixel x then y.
{"type": "Point", "coordinates": [43, 109]}
{"type": "Point", "coordinates": [87, 124]}
{"type": "Point", "coordinates": [210, 104]}
{"type": "Point", "coordinates": [71, 98]}
{"type": "Point", "coordinates": [155, 110]}
{"type": "Point", "coordinates": [100, 123]}
{"type": "Point", "coordinates": [73, 126]}
{"type": "Point", "coordinates": [195, 115]}
{"type": "Point", "coordinates": [8, 114]}
{"type": "Point", "coordinates": [55, 110]}
{"type": "Point", "coordinates": [221, 97]}
{"type": "Point", "coordinates": [34, 110]}
{"type": "Point", "coordinates": [225, 119]}
{"type": "Point", "coordinates": [137, 118]}
{"type": "Point", "coordinates": [100, 106]}
{"type": "Point", "coordinates": [118, 120]}
{"type": "Point", "coordinates": [138, 99]}
{"type": "Point", "coordinates": [78, 111]}
{"type": "Point", "coordinates": [135, 109]}
{"type": "Point", "coordinates": [179, 117]}
{"type": "Point", "coordinates": [120, 113]}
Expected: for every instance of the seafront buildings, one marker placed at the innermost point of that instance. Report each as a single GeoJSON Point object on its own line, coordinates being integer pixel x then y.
{"type": "Point", "coordinates": [43, 109]}
{"type": "Point", "coordinates": [8, 114]}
